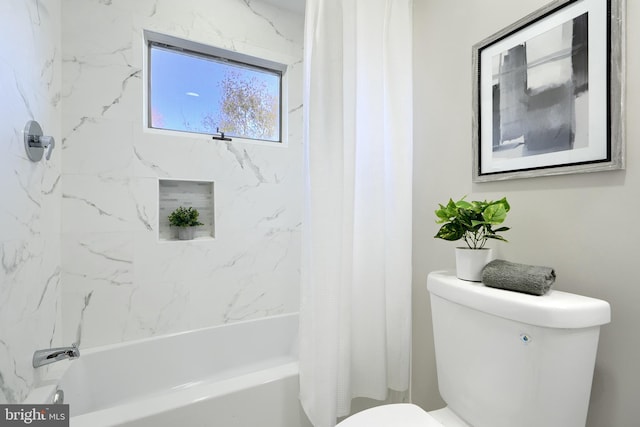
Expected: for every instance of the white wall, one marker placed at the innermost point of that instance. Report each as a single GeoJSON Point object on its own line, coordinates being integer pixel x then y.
{"type": "Point", "coordinates": [582, 225]}
{"type": "Point", "coordinates": [29, 192]}
{"type": "Point", "coordinates": [120, 281]}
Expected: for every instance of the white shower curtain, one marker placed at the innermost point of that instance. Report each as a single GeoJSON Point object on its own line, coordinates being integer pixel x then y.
{"type": "Point", "coordinates": [355, 317]}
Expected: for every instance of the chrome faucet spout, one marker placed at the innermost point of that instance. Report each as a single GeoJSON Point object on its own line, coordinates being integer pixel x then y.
{"type": "Point", "coordinates": [50, 355]}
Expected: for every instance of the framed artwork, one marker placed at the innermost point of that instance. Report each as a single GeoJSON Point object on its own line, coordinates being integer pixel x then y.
{"type": "Point", "coordinates": [547, 93]}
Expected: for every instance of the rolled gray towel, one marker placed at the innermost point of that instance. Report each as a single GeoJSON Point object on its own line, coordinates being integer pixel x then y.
{"type": "Point", "coordinates": [530, 279]}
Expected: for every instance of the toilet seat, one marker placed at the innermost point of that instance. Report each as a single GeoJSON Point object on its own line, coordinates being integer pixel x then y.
{"type": "Point", "coordinates": [395, 415]}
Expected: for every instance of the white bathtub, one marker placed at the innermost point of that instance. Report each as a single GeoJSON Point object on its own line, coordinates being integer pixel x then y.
{"type": "Point", "coordinates": [244, 374]}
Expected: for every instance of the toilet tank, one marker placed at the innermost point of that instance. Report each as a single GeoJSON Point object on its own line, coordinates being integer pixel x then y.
{"type": "Point", "coordinates": [507, 359]}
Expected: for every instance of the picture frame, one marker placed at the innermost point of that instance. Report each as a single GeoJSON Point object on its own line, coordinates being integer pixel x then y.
{"type": "Point", "coordinates": [547, 93]}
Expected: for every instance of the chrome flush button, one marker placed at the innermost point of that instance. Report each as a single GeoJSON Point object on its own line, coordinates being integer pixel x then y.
{"type": "Point", "coordinates": [525, 338]}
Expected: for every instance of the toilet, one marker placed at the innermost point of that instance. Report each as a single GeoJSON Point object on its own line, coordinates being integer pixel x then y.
{"type": "Point", "coordinates": [504, 359]}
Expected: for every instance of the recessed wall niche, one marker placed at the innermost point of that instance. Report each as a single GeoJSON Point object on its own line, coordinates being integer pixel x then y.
{"type": "Point", "coordinates": [173, 193]}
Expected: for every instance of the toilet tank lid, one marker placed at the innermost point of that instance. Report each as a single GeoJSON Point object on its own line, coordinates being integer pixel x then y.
{"type": "Point", "coordinates": [555, 309]}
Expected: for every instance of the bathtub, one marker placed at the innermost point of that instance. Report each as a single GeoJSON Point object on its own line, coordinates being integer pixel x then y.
{"type": "Point", "coordinates": [244, 374]}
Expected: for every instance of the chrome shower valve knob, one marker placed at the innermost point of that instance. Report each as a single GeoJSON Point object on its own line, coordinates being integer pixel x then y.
{"type": "Point", "coordinates": [35, 142]}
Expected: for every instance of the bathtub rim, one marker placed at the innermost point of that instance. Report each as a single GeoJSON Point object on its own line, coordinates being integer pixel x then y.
{"type": "Point", "coordinates": [115, 346]}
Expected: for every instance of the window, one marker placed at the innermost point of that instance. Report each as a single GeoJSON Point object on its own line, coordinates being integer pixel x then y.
{"type": "Point", "coordinates": [202, 89]}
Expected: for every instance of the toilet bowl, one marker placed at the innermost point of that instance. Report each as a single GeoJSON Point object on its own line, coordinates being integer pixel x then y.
{"type": "Point", "coordinates": [504, 359]}
{"type": "Point", "coordinates": [403, 415]}
{"type": "Point", "coordinates": [400, 414]}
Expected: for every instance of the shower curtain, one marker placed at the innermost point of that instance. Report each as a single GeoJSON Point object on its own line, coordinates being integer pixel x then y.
{"type": "Point", "coordinates": [355, 315]}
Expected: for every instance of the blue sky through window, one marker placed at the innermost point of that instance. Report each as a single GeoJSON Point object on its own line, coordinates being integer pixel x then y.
{"type": "Point", "coordinates": [186, 88]}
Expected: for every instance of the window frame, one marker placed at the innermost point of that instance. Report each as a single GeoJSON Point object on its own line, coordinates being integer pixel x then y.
{"type": "Point", "coordinates": [190, 47]}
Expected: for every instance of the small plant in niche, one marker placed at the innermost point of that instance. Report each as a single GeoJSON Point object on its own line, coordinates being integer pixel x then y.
{"type": "Point", "coordinates": [472, 221]}
{"type": "Point", "coordinates": [184, 217]}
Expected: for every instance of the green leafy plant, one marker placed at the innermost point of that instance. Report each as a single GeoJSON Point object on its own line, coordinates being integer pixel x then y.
{"type": "Point", "coordinates": [184, 217]}
{"type": "Point", "coordinates": [472, 221]}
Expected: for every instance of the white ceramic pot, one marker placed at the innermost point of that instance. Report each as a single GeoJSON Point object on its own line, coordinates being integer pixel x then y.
{"type": "Point", "coordinates": [186, 233]}
{"type": "Point", "coordinates": [470, 262]}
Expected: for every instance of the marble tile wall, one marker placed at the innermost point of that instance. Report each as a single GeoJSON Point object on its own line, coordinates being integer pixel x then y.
{"type": "Point", "coordinates": [30, 193]}
{"type": "Point", "coordinates": [120, 282]}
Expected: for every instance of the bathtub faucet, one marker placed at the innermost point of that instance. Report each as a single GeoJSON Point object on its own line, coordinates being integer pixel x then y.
{"type": "Point", "coordinates": [50, 355]}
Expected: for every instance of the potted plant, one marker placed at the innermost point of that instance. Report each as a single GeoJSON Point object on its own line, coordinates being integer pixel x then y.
{"type": "Point", "coordinates": [186, 219]}
{"type": "Point", "coordinates": [474, 223]}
